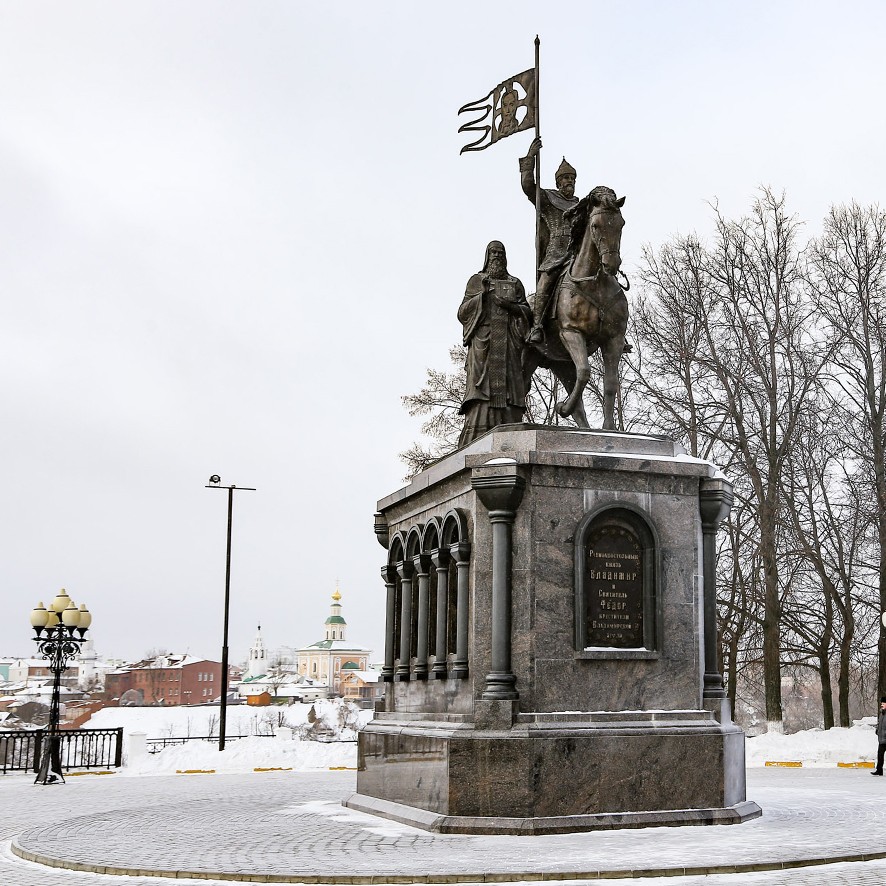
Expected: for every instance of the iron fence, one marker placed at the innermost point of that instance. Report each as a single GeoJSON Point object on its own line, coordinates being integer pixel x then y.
{"type": "Point", "coordinates": [155, 745]}
{"type": "Point", "coordinates": [80, 749]}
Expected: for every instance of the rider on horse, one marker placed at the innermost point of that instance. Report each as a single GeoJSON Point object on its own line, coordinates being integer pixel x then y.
{"type": "Point", "coordinates": [555, 230]}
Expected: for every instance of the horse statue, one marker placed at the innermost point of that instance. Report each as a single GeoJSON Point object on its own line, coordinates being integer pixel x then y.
{"type": "Point", "coordinates": [589, 310]}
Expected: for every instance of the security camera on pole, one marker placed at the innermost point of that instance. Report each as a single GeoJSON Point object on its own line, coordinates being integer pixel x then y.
{"type": "Point", "coordinates": [215, 483]}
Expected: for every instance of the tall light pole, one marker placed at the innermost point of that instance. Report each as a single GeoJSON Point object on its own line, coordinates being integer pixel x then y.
{"type": "Point", "coordinates": [215, 483]}
{"type": "Point", "coordinates": [56, 632]}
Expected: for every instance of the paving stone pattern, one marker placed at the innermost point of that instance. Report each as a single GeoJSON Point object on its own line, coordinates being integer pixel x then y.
{"type": "Point", "coordinates": [291, 825]}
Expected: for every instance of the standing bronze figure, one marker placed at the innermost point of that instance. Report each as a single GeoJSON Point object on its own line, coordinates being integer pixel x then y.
{"type": "Point", "coordinates": [590, 310]}
{"type": "Point", "coordinates": [496, 317]}
{"type": "Point", "coordinates": [553, 232]}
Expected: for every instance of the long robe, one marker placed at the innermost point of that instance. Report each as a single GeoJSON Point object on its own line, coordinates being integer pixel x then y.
{"type": "Point", "coordinates": [495, 338]}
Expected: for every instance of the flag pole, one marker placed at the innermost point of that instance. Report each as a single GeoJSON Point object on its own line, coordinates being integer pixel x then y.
{"type": "Point", "coordinates": [537, 165]}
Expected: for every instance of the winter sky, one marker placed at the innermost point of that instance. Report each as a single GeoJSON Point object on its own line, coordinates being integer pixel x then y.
{"type": "Point", "coordinates": [233, 234]}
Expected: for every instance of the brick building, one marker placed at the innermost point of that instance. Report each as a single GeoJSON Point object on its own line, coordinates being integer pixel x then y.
{"type": "Point", "coordinates": [167, 680]}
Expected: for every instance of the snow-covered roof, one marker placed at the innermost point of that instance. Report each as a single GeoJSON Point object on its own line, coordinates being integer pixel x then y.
{"type": "Point", "coordinates": [167, 662]}
{"type": "Point", "coordinates": [367, 676]}
{"type": "Point", "coordinates": [336, 645]}
{"type": "Point", "coordinates": [34, 663]}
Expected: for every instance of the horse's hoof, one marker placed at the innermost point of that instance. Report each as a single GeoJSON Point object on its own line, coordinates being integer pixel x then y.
{"type": "Point", "coordinates": [561, 410]}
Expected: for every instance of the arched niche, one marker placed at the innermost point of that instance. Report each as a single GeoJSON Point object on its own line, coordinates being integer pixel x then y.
{"type": "Point", "coordinates": [616, 584]}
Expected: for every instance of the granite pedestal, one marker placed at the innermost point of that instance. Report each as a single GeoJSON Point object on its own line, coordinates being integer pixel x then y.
{"type": "Point", "coordinates": [546, 665]}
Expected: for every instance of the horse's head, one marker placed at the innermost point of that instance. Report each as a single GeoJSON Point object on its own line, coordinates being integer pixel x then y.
{"type": "Point", "coordinates": [605, 223]}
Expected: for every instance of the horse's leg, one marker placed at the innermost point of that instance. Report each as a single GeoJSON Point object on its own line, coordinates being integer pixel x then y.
{"type": "Point", "coordinates": [565, 373]}
{"type": "Point", "coordinates": [612, 352]}
{"type": "Point", "coordinates": [574, 342]}
{"type": "Point", "coordinates": [529, 362]}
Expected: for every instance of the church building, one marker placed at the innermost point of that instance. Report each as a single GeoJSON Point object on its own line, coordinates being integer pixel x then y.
{"type": "Point", "coordinates": [328, 660]}
{"type": "Point", "coordinates": [257, 666]}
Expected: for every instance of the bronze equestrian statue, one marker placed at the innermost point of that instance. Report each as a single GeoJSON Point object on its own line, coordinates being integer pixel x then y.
{"type": "Point", "coordinates": [590, 310]}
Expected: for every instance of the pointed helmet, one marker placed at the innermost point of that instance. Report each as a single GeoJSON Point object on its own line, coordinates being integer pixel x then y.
{"type": "Point", "coordinates": [565, 168]}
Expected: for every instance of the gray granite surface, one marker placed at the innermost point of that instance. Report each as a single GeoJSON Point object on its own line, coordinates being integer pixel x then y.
{"type": "Point", "coordinates": [514, 763]}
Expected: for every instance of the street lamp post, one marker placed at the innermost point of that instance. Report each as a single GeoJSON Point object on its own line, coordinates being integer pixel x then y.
{"type": "Point", "coordinates": [215, 483]}
{"type": "Point", "coordinates": [60, 631]}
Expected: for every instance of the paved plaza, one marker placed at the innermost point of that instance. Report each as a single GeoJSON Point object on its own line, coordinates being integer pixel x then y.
{"type": "Point", "coordinates": [290, 827]}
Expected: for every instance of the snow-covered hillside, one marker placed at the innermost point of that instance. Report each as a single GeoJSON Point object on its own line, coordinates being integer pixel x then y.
{"type": "Point", "coordinates": [337, 722]}
{"type": "Point", "coordinates": [275, 737]}
{"type": "Point", "coordinates": [183, 722]}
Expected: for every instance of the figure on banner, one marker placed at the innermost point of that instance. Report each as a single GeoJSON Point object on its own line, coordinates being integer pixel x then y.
{"type": "Point", "coordinates": [507, 108]}
{"type": "Point", "coordinates": [495, 317]}
{"type": "Point", "coordinates": [554, 233]}
{"type": "Point", "coordinates": [508, 123]}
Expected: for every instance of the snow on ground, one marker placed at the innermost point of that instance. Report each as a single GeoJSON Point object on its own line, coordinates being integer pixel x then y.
{"type": "Point", "coordinates": [185, 721]}
{"type": "Point", "coordinates": [817, 748]}
{"type": "Point", "coordinates": [265, 747]}
{"type": "Point", "coordinates": [245, 755]}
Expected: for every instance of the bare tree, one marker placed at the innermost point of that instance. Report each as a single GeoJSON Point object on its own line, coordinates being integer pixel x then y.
{"type": "Point", "coordinates": [276, 676]}
{"type": "Point", "coordinates": [757, 343]}
{"type": "Point", "coordinates": [849, 275]}
{"type": "Point", "coordinates": [678, 392]}
{"type": "Point", "coordinates": [441, 397]}
{"type": "Point", "coordinates": [730, 362]}
{"type": "Point", "coordinates": [829, 525]}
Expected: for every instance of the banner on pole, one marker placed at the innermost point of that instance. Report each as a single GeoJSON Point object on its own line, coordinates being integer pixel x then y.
{"type": "Point", "coordinates": [504, 110]}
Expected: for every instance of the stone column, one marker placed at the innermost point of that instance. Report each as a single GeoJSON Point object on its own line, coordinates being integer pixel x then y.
{"type": "Point", "coordinates": [422, 564]}
{"type": "Point", "coordinates": [461, 554]}
{"type": "Point", "coordinates": [500, 488]}
{"type": "Point", "coordinates": [440, 559]}
{"type": "Point", "coordinates": [389, 577]}
{"type": "Point", "coordinates": [405, 569]}
{"type": "Point", "coordinates": [715, 503]}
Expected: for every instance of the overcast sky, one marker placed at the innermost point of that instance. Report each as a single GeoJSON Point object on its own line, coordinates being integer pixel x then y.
{"type": "Point", "coordinates": [232, 235]}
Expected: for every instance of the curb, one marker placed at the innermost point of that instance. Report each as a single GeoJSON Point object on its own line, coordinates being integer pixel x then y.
{"type": "Point", "coordinates": [798, 764]}
{"type": "Point", "coordinates": [495, 877]}
{"type": "Point", "coordinates": [254, 769]}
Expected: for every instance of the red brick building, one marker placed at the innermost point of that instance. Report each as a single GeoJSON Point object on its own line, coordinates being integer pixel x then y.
{"type": "Point", "coordinates": [167, 680]}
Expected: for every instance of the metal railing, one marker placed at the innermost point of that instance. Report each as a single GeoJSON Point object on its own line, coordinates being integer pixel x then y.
{"type": "Point", "coordinates": [80, 749]}
{"type": "Point", "coordinates": [155, 745]}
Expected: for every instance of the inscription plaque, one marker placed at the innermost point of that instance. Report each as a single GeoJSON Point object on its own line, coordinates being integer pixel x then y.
{"type": "Point", "coordinates": [614, 586]}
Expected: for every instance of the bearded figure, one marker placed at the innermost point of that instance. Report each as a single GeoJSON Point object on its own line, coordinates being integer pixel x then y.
{"type": "Point", "coordinates": [496, 318]}
{"type": "Point", "coordinates": [555, 229]}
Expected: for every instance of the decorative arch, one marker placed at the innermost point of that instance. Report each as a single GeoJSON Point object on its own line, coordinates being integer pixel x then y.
{"type": "Point", "coordinates": [427, 603]}
{"type": "Point", "coordinates": [397, 549]}
{"type": "Point", "coordinates": [413, 541]}
{"type": "Point", "coordinates": [454, 527]}
{"type": "Point", "coordinates": [617, 569]}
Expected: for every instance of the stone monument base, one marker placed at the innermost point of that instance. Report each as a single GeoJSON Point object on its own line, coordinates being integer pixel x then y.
{"type": "Point", "coordinates": [550, 654]}
{"type": "Point", "coordinates": [553, 773]}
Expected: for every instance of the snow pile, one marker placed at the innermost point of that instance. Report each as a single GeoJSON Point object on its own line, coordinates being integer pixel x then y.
{"type": "Point", "coordinates": [245, 755]}
{"type": "Point", "coordinates": [300, 737]}
{"type": "Point", "coordinates": [816, 747]}
{"type": "Point", "coordinates": [187, 721]}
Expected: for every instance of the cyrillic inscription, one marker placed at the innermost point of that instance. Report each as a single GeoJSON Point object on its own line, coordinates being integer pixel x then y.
{"type": "Point", "coordinates": [614, 583]}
